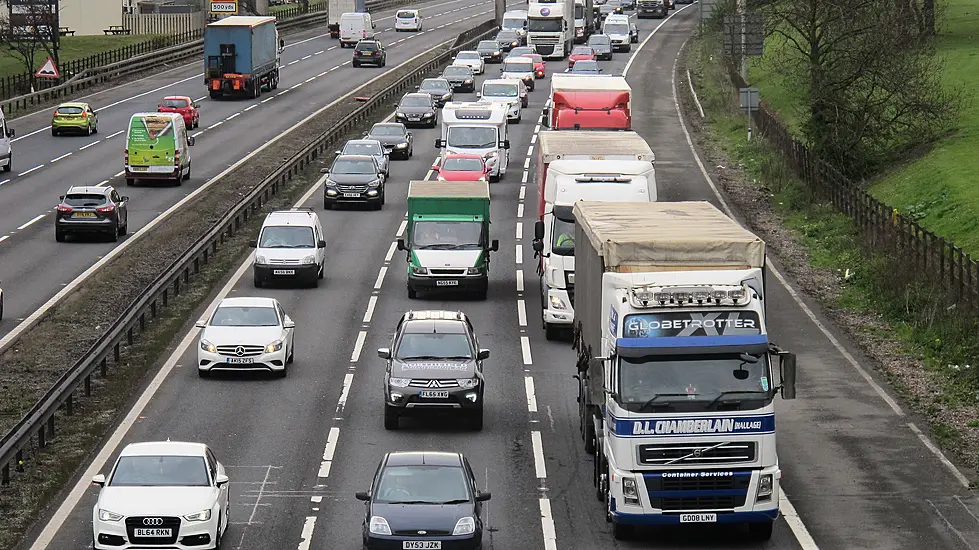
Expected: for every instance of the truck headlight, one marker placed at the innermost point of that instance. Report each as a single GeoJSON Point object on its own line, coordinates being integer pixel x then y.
{"type": "Point", "coordinates": [203, 515]}
{"type": "Point", "coordinates": [105, 515]}
{"type": "Point", "coordinates": [379, 526]}
{"type": "Point", "coordinates": [765, 486]}
{"type": "Point", "coordinates": [273, 347]}
{"type": "Point", "coordinates": [399, 382]}
{"type": "Point", "coordinates": [474, 270]}
{"type": "Point", "coordinates": [465, 526]}
{"type": "Point", "coordinates": [419, 270]}
{"type": "Point", "coordinates": [557, 303]}
{"type": "Point", "coordinates": [629, 491]}
{"type": "Point", "coordinates": [309, 260]}
{"type": "Point", "coordinates": [208, 347]}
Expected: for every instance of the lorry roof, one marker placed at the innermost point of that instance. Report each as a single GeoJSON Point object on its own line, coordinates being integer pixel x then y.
{"type": "Point", "coordinates": [673, 235]}
{"type": "Point", "coordinates": [599, 166]}
{"type": "Point", "coordinates": [598, 143]}
{"type": "Point", "coordinates": [455, 189]}
{"type": "Point", "coordinates": [578, 82]}
{"type": "Point", "coordinates": [242, 21]}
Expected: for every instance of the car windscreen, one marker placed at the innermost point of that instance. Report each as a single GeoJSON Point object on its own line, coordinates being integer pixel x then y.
{"type": "Point", "coordinates": [69, 110]}
{"type": "Point", "coordinates": [441, 235]}
{"type": "Point", "coordinates": [438, 85]}
{"type": "Point", "coordinates": [545, 25]}
{"type": "Point", "coordinates": [523, 50]}
{"type": "Point", "coordinates": [362, 149]}
{"type": "Point", "coordinates": [423, 484]}
{"type": "Point", "coordinates": [486, 45]}
{"type": "Point", "coordinates": [78, 199]}
{"type": "Point", "coordinates": [457, 71]}
{"type": "Point", "coordinates": [508, 36]}
{"type": "Point", "coordinates": [287, 236]}
{"type": "Point", "coordinates": [467, 55]}
{"type": "Point", "coordinates": [599, 41]}
{"type": "Point", "coordinates": [480, 137]}
{"type": "Point", "coordinates": [462, 165]}
{"type": "Point", "coordinates": [616, 28]}
{"type": "Point", "coordinates": [389, 131]}
{"type": "Point", "coordinates": [244, 316]}
{"type": "Point", "coordinates": [157, 471]}
{"type": "Point", "coordinates": [522, 66]}
{"type": "Point", "coordinates": [500, 90]}
{"type": "Point", "coordinates": [416, 101]}
{"type": "Point", "coordinates": [350, 166]}
{"type": "Point", "coordinates": [424, 345]}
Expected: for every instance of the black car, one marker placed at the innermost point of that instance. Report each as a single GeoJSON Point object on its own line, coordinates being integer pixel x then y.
{"type": "Point", "coordinates": [395, 138]}
{"type": "Point", "coordinates": [461, 78]}
{"type": "Point", "coordinates": [90, 209]}
{"type": "Point", "coordinates": [602, 44]}
{"type": "Point", "coordinates": [417, 109]}
{"type": "Point", "coordinates": [489, 51]}
{"type": "Point", "coordinates": [423, 500]}
{"type": "Point", "coordinates": [369, 52]}
{"type": "Point", "coordinates": [438, 88]}
{"type": "Point", "coordinates": [354, 179]}
{"type": "Point", "coordinates": [507, 40]}
{"type": "Point", "coordinates": [434, 364]}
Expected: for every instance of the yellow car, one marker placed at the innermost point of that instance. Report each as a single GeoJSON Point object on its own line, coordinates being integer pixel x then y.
{"type": "Point", "coordinates": [75, 117]}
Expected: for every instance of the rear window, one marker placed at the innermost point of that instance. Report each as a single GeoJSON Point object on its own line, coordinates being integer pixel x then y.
{"type": "Point", "coordinates": [406, 15]}
{"type": "Point", "coordinates": [176, 103]}
{"type": "Point", "coordinates": [69, 110]}
{"type": "Point", "coordinates": [79, 199]}
{"type": "Point", "coordinates": [366, 46]}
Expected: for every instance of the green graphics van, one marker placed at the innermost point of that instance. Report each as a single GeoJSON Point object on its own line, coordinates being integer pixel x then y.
{"type": "Point", "coordinates": [447, 237]}
{"type": "Point", "coordinates": [157, 148]}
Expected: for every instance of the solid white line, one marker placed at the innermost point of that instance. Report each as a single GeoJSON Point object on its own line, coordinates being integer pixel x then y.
{"type": "Point", "coordinates": [652, 33]}
{"type": "Point", "coordinates": [119, 173]}
{"type": "Point", "coordinates": [525, 350]}
{"type": "Point", "coordinates": [66, 155]}
{"type": "Point", "coordinates": [523, 192]}
{"type": "Point", "coordinates": [519, 230]}
{"type": "Point", "coordinates": [307, 534]}
{"type": "Point", "coordinates": [96, 142]}
{"type": "Point", "coordinates": [348, 379]}
{"type": "Point", "coordinates": [519, 280]}
{"type": "Point", "coordinates": [402, 227]}
{"type": "Point", "coordinates": [358, 346]}
{"type": "Point", "coordinates": [391, 250]}
{"type": "Point", "coordinates": [538, 455]}
{"type": "Point", "coordinates": [39, 166]}
{"type": "Point", "coordinates": [520, 206]}
{"type": "Point", "coordinates": [795, 523]}
{"type": "Point", "coordinates": [941, 456]}
{"type": "Point", "coordinates": [693, 92]}
{"type": "Point", "coordinates": [547, 525]}
{"type": "Point", "coordinates": [371, 303]}
{"type": "Point", "coordinates": [380, 278]}
{"type": "Point", "coordinates": [531, 394]}
{"type": "Point", "coordinates": [331, 449]}
{"type": "Point", "coordinates": [519, 256]}
{"type": "Point", "coordinates": [521, 312]}
{"type": "Point", "coordinates": [28, 224]}
{"type": "Point", "coordinates": [5, 237]}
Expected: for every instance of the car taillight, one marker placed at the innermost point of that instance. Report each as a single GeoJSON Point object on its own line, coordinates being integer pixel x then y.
{"type": "Point", "coordinates": [105, 209]}
{"type": "Point", "coordinates": [84, 115]}
{"type": "Point", "coordinates": [176, 157]}
{"type": "Point", "coordinates": [63, 208]}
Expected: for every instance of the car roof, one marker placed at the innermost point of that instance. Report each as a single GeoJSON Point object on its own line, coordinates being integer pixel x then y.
{"type": "Point", "coordinates": [73, 104]}
{"type": "Point", "coordinates": [177, 97]}
{"type": "Point", "coordinates": [361, 141]}
{"type": "Point", "coordinates": [420, 458]}
{"type": "Point", "coordinates": [355, 157]}
{"type": "Point", "coordinates": [470, 52]}
{"type": "Point", "coordinates": [86, 190]}
{"type": "Point", "coordinates": [294, 216]}
{"type": "Point", "coordinates": [434, 79]}
{"type": "Point", "coordinates": [418, 94]}
{"type": "Point", "coordinates": [166, 448]}
{"type": "Point", "coordinates": [463, 156]}
{"type": "Point", "coordinates": [248, 301]}
{"type": "Point", "coordinates": [397, 125]}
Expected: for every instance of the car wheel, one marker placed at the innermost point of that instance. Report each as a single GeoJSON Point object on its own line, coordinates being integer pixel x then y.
{"type": "Point", "coordinates": [113, 235]}
{"type": "Point", "coordinates": [54, 132]}
{"type": "Point", "coordinates": [476, 420]}
{"type": "Point", "coordinates": [124, 230]}
{"type": "Point", "coordinates": [518, 119]}
{"type": "Point", "coordinates": [412, 293]}
{"type": "Point", "coordinates": [322, 272]}
{"type": "Point", "coordinates": [203, 373]}
{"type": "Point", "coordinates": [391, 420]}
{"type": "Point", "coordinates": [377, 205]}
{"type": "Point", "coordinates": [292, 354]}
{"type": "Point", "coordinates": [551, 332]}
{"type": "Point", "coordinates": [282, 373]}
{"type": "Point", "coordinates": [327, 205]}
{"type": "Point", "coordinates": [95, 130]}
{"type": "Point", "coordinates": [187, 175]}
{"type": "Point", "coordinates": [257, 280]}
{"type": "Point", "coordinates": [88, 130]}
{"type": "Point", "coordinates": [10, 164]}
{"type": "Point", "coordinates": [218, 534]}
{"type": "Point", "coordinates": [131, 182]}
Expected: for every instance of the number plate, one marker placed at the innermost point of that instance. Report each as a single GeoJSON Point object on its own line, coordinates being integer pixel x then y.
{"type": "Point", "coordinates": [698, 518]}
{"type": "Point", "coordinates": [283, 272]}
{"type": "Point", "coordinates": [137, 168]}
{"type": "Point", "coordinates": [422, 545]}
{"type": "Point", "coordinates": [352, 195]}
{"type": "Point", "coordinates": [83, 215]}
{"type": "Point", "coordinates": [447, 283]}
{"type": "Point", "coordinates": [241, 360]}
{"type": "Point", "coordinates": [435, 394]}
{"type": "Point", "coordinates": [153, 532]}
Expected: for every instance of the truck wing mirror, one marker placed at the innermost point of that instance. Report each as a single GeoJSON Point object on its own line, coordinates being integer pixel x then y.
{"type": "Point", "coordinates": [384, 353]}
{"type": "Point", "coordinates": [547, 117]}
{"type": "Point", "coordinates": [495, 245]}
{"type": "Point", "coordinates": [538, 246]}
{"type": "Point", "coordinates": [439, 143]}
{"type": "Point", "coordinates": [539, 230]}
{"type": "Point", "coordinates": [787, 362]}
{"type": "Point", "coordinates": [401, 245]}
{"type": "Point", "coordinates": [10, 133]}
{"type": "Point", "coordinates": [505, 144]}
{"type": "Point", "coordinates": [595, 363]}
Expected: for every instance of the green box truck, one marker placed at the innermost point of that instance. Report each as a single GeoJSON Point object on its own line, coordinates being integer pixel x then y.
{"type": "Point", "coordinates": [447, 237]}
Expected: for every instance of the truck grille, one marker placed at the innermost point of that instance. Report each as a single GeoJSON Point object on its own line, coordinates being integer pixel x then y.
{"type": "Point", "coordinates": [247, 351]}
{"type": "Point", "coordinates": [439, 383]}
{"type": "Point", "coordinates": [171, 523]}
{"type": "Point", "coordinates": [545, 40]}
{"type": "Point", "coordinates": [698, 493]}
{"type": "Point", "coordinates": [735, 452]}
{"type": "Point", "coordinates": [443, 271]}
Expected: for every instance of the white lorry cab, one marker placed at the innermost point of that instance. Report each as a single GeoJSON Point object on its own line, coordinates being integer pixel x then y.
{"type": "Point", "coordinates": [505, 92]}
{"type": "Point", "coordinates": [6, 144]}
{"type": "Point", "coordinates": [355, 27]}
{"type": "Point", "coordinates": [477, 128]}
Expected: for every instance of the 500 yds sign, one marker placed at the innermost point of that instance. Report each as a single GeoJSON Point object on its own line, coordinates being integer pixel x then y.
{"type": "Point", "coordinates": [224, 7]}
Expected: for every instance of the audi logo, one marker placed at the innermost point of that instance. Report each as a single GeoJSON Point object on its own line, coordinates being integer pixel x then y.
{"type": "Point", "coordinates": [240, 350]}
{"type": "Point", "coordinates": [152, 521]}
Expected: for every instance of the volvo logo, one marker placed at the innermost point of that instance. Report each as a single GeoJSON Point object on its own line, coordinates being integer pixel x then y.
{"type": "Point", "coordinates": [240, 351]}
{"type": "Point", "coordinates": [698, 453]}
{"type": "Point", "coordinates": [152, 521]}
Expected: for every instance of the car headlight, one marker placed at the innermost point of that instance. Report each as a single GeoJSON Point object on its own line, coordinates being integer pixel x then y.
{"type": "Point", "coordinates": [630, 491]}
{"type": "Point", "coordinates": [330, 183]}
{"type": "Point", "coordinates": [473, 270]}
{"type": "Point", "coordinates": [208, 347]}
{"type": "Point", "coordinates": [528, 77]}
{"type": "Point", "coordinates": [514, 43]}
{"type": "Point", "coordinates": [419, 270]}
{"type": "Point", "coordinates": [447, 95]}
{"type": "Point", "coordinates": [765, 486]}
{"type": "Point", "coordinates": [468, 82]}
{"type": "Point", "coordinates": [309, 260]}
{"type": "Point", "coordinates": [465, 526]}
{"type": "Point", "coordinates": [374, 183]}
{"type": "Point", "coordinates": [105, 515]}
{"type": "Point", "coordinates": [203, 515]}
{"type": "Point", "coordinates": [274, 347]}
{"type": "Point", "coordinates": [496, 53]}
{"type": "Point", "coordinates": [259, 259]}
{"type": "Point", "coordinates": [401, 145]}
{"type": "Point", "coordinates": [400, 382]}
{"type": "Point", "coordinates": [468, 383]}
{"type": "Point", "coordinates": [557, 303]}
{"type": "Point", "coordinates": [428, 115]}
{"type": "Point", "coordinates": [379, 526]}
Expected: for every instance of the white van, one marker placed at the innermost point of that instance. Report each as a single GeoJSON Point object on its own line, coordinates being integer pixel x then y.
{"type": "Point", "coordinates": [290, 246]}
{"type": "Point", "coordinates": [6, 153]}
{"type": "Point", "coordinates": [354, 27]}
{"type": "Point", "coordinates": [504, 92]}
{"type": "Point", "coordinates": [408, 20]}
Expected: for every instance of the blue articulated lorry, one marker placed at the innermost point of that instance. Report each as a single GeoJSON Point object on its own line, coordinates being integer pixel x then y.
{"type": "Point", "coordinates": [241, 56]}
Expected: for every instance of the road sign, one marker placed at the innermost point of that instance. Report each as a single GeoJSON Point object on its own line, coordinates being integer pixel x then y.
{"type": "Point", "coordinates": [48, 70]}
{"type": "Point", "coordinates": [32, 20]}
{"type": "Point", "coordinates": [744, 31]}
{"type": "Point", "coordinates": [224, 7]}
{"type": "Point", "coordinates": [749, 99]}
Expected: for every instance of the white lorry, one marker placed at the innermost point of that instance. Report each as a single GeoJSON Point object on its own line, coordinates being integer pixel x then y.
{"type": "Point", "coordinates": [336, 8]}
{"type": "Point", "coordinates": [676, 373]}
{"type": "Point", "coordinates": [567, 182]}
{"type": "Point", "coordinates": [478, 127]}
{"type": "Point", "coordinates": [550, 28]}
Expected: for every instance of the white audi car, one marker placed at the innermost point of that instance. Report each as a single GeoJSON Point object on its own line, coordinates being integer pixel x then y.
{"type": "Point", "coordinates": [163, 494]}
{"type": "Point", "coordinates": [246, 334]}
{"type": "Point", "coordinates": [471, 59]}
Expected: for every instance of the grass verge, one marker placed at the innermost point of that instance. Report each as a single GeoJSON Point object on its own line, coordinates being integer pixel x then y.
{"type": "Point", "coordinates": [72, 48]}
{"type": "Point", "coordinates": [43, 353]}
{"type": "Point", "coordinates": [920, 344]}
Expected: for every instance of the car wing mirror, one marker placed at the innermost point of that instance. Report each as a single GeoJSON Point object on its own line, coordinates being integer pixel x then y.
{"type": "Point", "coordinates": [221, 479]}
{"type": "Point", "coordinates": [10, 133]}
{"type": "Point", "coordinates": [288, 323]}
{"type": "Point", "coordinates": [321, 243]}
{"type": "Point", "coordinates": [253, 244]}
{"type": "Point", "coordinates": [495, 245]}
{"type": "Point", "coordinates": [62, 197]}
{"type": "Point", "coordinates": [364, 496]}
{"type": "Point", "coordinates": [384, 353]}
{"type": "Point", "coordinates": [201, 323]}
{"type": "Point", "coordinates": [479, 94]}
{"type": "Point", "coordinates": [197, 105]}
{"type": "Point", "coordinates": [124, 198]}
{"type": "Point", "coordinates": [99, 480]}
{"type": "Point", "coordinates": [483, 496]}
{"type": "Point", "coordinates": [483, 354]}
{"type": "Point", "coordinates": [191, 141]}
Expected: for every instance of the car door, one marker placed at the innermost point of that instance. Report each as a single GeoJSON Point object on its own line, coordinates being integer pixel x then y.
{"type": "Point", "coordinates": [122, 208]}
{"type": "Point", "coordinates": [320, 252]}
{"type": "Point", "coordinates": [290, 333]}
{"type": "Point", "coordinates": [477, 506]}
{"type": "Point", "coordinates": [216, 468]}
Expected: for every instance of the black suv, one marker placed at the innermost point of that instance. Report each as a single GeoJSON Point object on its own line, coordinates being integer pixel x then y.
{"type": "Point", "coordinates": [434, 364]}
{"type": "Point", "coordinates": [369, 52]}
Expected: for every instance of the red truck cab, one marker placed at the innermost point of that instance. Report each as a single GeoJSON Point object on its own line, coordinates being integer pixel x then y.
{"type": "Point", "coordinates": [589, 102]}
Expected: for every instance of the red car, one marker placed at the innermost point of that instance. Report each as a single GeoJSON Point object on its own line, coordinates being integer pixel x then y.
{"type": "Point", "coordinates": [462, 168]}
{"type": "Point", "coordinates": [540, 66]}
{"type": "Point", "coordinates": [183, 105]}
{"type": "Point", "coordinates": [580, 53]}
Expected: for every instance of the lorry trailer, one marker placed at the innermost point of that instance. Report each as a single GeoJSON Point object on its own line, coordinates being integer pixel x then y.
{"type": "Point", "coordinates": [589, 102]}
{"type": "Point", "coordinates": [241, 56]}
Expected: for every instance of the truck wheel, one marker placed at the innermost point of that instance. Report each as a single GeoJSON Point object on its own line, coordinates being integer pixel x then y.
{"type": "Point", "coordinates": [412, 293]}
{"type": "Point", "coordinates": [621, 531]}
{"type": "Point", "coordinates": [551, 332]}
{"type": "Point", "coordinates": [761, 531]}
{"type": "Point", "coordinates": [275, 80]}
{"type": "Point", "coordinates": [391, 420]}
{"type": "Point", "coordinates": [257, 280]}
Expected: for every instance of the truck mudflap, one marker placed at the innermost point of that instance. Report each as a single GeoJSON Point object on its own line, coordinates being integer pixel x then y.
{"type": "Point", "coordinates": [334, 29]}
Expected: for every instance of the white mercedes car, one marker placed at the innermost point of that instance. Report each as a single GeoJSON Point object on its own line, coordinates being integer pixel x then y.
{"type": "Point", "coordinates": [471, 59]}
{"type": "Point", "coordinates": [164, 494]}
{"type": "Point", "coordinates": [246, 334]}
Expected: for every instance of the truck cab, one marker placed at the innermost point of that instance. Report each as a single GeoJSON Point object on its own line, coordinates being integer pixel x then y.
{"type": "Point", "coordinates": [548, 28]}
{"type": "Point", "coordinates": [477, 128]}
{"type": "Point", "coordinates": [589, 102]}
{"type": "Point", "coordinates": [584, 20]}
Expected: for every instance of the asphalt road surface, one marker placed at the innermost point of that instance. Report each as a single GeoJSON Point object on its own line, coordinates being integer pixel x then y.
{"type": "Point", "coordinates": [297, 449]}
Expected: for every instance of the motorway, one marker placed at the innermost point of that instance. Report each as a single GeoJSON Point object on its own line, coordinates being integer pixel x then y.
{"type": "Point", "coordinates": [314, 72]}
{"type": "Point", "coordinates": [855, 473]}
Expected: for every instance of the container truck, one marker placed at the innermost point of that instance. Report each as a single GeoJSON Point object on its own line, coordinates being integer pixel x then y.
{"type": "Point", "coordinates": [550, 28]}
{"type": "Point", "coordinates": [570, 181]}
{"type": "Point", "coordinates": [589, 102]}
{"type": "Point", "coordinates": [241, 56]}
{"type": "Point", "coordinates": [447, 238]}
{"type": "Point", "coordinates": [584, 20]}
{"type": "Point", "coordinates": [340, 7]}
{"type": "Point", "coordinates": [675, 369]}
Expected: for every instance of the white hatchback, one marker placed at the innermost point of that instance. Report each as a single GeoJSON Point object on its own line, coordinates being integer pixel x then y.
{"type": "Point", "coordinates": [246, 334]}
{"type": "Point", "coordinates": [471, 59]}
{"type": "Point", "coordinates": [408, 20]}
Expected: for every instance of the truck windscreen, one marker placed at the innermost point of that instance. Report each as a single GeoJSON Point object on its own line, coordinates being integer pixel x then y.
{"type": "Point", "coordinates": [471, 137]}
{"type": "Point", "coordinates": [562, 231]}
{"type": "Point", "coordinates": [545, 25]}
{"type": "Point", "coordinates": [513, 24]}
{"type": "Point", "coordinates": [443, 235]}
{"type": "Point", "coordinates": [579, 12]}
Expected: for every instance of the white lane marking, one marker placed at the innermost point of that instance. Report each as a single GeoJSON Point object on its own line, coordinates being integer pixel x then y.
{"type": "Point", "coordinates": [292, 63]}
{"type": "Point", "coordinates": [391, 250]}
{"type": "Point", "coordinates": [941, 456]}
{"type": "Point", "coordinates": [523, 192]}
{"type": "Point", "coordinates": [38, 167]}
{"type": "Point", "coordinates": [531, 393]}
{"type": "Point", "coordinates": [358, 346]}
{"type": "Point", "coordinates": [119, 173]}
{"type": "Point", "coordinates": [380, 278]}
{"type": "Point", "coordinates": [307, 533]}
{"type": "Point", "coordinates": [331, 449]}
{"type": "Point", "coordinates": [215, 125]}
{"type": "Point", "coordinates": [236, 115]}
{"type": "Point", "coordinates": [652, 33]}
{"type": "Point", "coordinates": [519, 257]}
{"type": "Point", "coordinates": [304, 58]}
{"type": "Point", "coordinates": [83, 147]}
{"type": "Point", "coordinates": [319, 52]}
{"type": "Point", "coordinates": [519, 280]}
{"type": "Point", "coordinates": [521, 312]}
{"type": "Point", "coordinates": [5, 237]}
{"type": "Point", "coordinates": [795, 523]}
{"type": "Point", "coordinates": [266, 100]}
{"type": "Point", "coordinates": [110, 136]}
{"type": "Point", "coordinates": [523, 179]}
{"type": "Point", "coordinates": [547, 525]}
{"type": "Point", "coordinates": [296, 86]}
{"type": "Point", "coordinates": [520, 206]}
{"type": "Point", "coordinates": [250, 107]}
{"type": "Point", "coordinates": [526, 163]}
{"type": "Point", "coordinates": [525, 350]}
{"type": "Point", "coordinates": [198, 133]}
{"type": "Point", "coordinates": [519, 230]}
{"type": "Point", "coordinates": [28, 224]}
{"type": "Point", "coordinates": [316, 498]}
{"type": "Point", "coordinates": [64, 156]}
{"type": "Point", "coordinates": [5, 181]}
{"type": "Point", "coordinates": [310, 79]}
{"type": "Point", "coordinates": [539, 466]}
{"type": "Point", "coordinates": [537, 128]}
{"type": "Point", "coordinates": [203, 97]}
{"type": "Point", "coordinates": [371, 304]}
{"type": "Point", "coordinates": [530, 151]}
{"type": "Point", "coordinates": [402, 227]}
{"type": "Point", "coordinates": [533, 139]}
{"type": "Point", "coordinates": [348, 380]}
{"type": "Point", "coordinates": [103, 182]}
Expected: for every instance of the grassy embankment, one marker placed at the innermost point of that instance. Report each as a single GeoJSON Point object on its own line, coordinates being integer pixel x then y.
{"type": "Point", "coordinates": [72, 47]}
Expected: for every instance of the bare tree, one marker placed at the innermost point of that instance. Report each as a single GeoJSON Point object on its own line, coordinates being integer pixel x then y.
{"type": "Point", "coordinates": [29, 36]}
{"type": "Point", "coordinates": [871, 85]}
